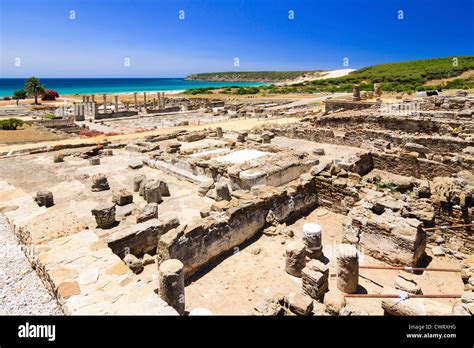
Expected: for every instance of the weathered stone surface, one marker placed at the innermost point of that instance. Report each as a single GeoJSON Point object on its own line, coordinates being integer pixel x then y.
{"type": "Point", "coordinates": [141, 238]}
{"type": "Point", "coordinates": [319, 151]}
{"type": "Point", "coordinates": [295, 258]}
{"type": "Point", "coordinates": [222, 192]}
{"type": "Point", "coordinates": [315, 279]}
{"type": "Point", "coordinates": [58, 157]}
{"type": "Point", "coordinates": [137, 180]}
{"type": "Point", "coordinates": [44, 199]}
{"type": "Point", "coordinates": [122, 197]}
{"type": "Point", "coordinates": [388, 237]}
{"type": "Point", "coordinates": [347, 268]}
{"type": "Point", "coordinates": [135, 165]}
{"type": "Point", "coordinates": [404, 283]}
{"type": "Point", "coordinates": [269, 307]}
{"type": "Point", "coordinates": [135, 264]}
{"type": "Point", "coordinates": [171, 284]}
{"type": "Point", "coordinates": [334, 302]}
{"type": "Point", "coordinates": [150, 211]}
{"type": "Point", "coordinates": [152, 192]}
{"type": "Point", "coordinates": [205, 186]}
{"type": "Point", "coordinates": [95, 161]}
{"type": "Point", "coordinates": [312, 240]}
{"type": "Point", "coordinates": [413, 306]}
{"type": "Point", "coordinates": [99, 183]}
{"type": "Point", "coordinates": [164, 190]}
{"type": "Point", "coordinates": [299, 304]}
{"type": "Point", "coordinates": [104, 215]}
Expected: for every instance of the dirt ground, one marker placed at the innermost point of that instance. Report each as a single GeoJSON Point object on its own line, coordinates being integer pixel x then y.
{"type": "Point", "coordinates": [231, 125]}
{"type": "Point", "coordinates": [28, 134]}
{"type": "Point", "coordinates": [256, 272]}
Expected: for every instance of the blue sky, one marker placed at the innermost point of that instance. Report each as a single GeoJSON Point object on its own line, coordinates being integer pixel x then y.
{"type": "Point", "coordinates": [214, 32]}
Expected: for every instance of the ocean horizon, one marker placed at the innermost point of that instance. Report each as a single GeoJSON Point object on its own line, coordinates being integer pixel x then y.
{"type": "Point", "coordinates": [68, 86]}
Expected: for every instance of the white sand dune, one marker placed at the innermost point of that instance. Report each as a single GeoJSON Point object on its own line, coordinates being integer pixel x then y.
{"type": "Point", "coordinates": [335, 73]}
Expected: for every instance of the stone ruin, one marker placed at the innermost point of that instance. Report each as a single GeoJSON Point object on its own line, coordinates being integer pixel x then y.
{"type": "Point", "coordinates": [133, 223]}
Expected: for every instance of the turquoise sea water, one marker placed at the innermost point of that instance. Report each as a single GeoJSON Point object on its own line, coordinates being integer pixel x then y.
{"type": "Point", "coordinates": [114, 85]}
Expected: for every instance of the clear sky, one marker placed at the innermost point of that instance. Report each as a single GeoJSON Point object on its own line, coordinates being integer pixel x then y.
{"type": "Point", "coordinates": [46, 42]}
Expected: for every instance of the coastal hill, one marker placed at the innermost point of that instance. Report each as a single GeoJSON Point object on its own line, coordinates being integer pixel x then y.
{"type": "Point", "coordinates": [448, 72]}
{"type": "Point", "coordinates": [254, 76]}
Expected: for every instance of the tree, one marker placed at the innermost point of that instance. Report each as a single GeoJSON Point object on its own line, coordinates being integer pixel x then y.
{"type": "Point", "coordinates": [50, 94]}
{"type": "Point", "coordinates": [19, 94]}
{"type": "Point", "coordinates": [33, 86]}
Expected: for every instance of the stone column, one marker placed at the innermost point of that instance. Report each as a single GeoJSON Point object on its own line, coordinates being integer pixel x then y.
{"type": "Point", "coordinates": [295, 258]}
{"type": "Point", "coordinates": [312, 239]}
{"type": "Point", "coordinates": [219, 132]}
{"type": "Point", "coordinates": [83, 98]}
{"type": "Point", "coordinates": [347, 268]}
{"type": "Point", "coordinates": [79, 112]}
{"type": "Point", "coordinates": [163, 99]}
{"type": "Point", "coordinates": [171, 284]}
{"type": "Point", "coordinates": [93, 98]}
{"type": "Point", "coordinates": [88, 99]}
{"type": "Point", "coordinates": [127, 105]}
{"type": "Point", "coordinates": [105, 102]}
{"type": "Point", "coordinates": [377, 90]}
{"type": "Point", "coordinates": [154, 103]}
{"type": "Point", "coordinates": [152, 192]}
{"type": "Point", "coordinates": [356, 92]}
{"type": "Point", "coordinates": [94, 110]}
{"type": "Point", "coordinates": [135, 100]}
{"type": "Point", "coordinates": [116, 104]}
{"type": "Point", "coordinates": [144, 100]}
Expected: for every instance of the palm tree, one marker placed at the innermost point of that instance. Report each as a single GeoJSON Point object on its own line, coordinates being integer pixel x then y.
{"type": "Point", "coordinates": [33, 86]}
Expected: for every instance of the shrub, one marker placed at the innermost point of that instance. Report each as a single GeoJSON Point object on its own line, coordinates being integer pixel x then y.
{"type": "Point", "coordinates": [7, 98]}
{"type": "Point", "coordinates": [11, 123]}
{"type": "Point", "coordinates": [50, 94]}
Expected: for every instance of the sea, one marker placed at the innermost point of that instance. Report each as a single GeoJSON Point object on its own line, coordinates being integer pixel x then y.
{"type": "Point", "coordinates": [114, 85]}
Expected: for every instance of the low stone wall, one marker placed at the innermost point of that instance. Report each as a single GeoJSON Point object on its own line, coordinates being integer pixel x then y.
{"type": "Point", "coordinates": [411, 166]}
{"type": "Point", "coordinates": [197, 245]}
{"type": "Point", "coordinates": [141, 238]}
{"type": "Point", "coordinates": [393, 123]}
{"type": "Point", "coordinates": [335, 194]}
{"type": "Point", "coordinates": [387, 237]}
{"type": "Point", "coordinates": [333, 105]}
{"type": "Point", "coordinates": [115, 114]}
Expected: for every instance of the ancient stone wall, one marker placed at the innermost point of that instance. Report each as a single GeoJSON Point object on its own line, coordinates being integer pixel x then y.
{"type": "Point", "coordinates": [197, 245]}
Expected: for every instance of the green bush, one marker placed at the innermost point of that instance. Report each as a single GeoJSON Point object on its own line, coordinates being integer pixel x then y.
{"type": "Point", "coordinates": [11, 124]}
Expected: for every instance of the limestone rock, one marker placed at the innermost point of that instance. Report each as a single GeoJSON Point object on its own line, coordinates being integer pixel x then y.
{"type": "Point", "coordinates": [222, 192]}
{"type": "Point", "coordinates": [99, 183]}
{"type": "Point", "coordinates": [152, 192]}
{"type": "Point", "coordinates": [404, 283]}
{"type": "Point", "coordinates": [104, 215]}
{"type": "Point", "coordinates": [134, 263]}
{"type": "Point", "coordinates": [299, 304]}
{"type": "Point", "coordinates": [148, 259]}
{"type": "Point", "coordinates": [95, 161]}
{"type": "Point", "coordinates": [334, 301]}
{"type": "Point", "coordinates": [122, 197]}
{"type": "Point", "coordinates": [137, 180]}
{"type": "Point", "coordinates": [315, 279]}
{"type": "Point", "coordinates": [44, 199]}
{"type": "Point", "coordinates": [164, 190]}
{"type": "Point", "coordinates": [58, 157]}
{"type": "Point", "coordinates": [150, 211]}
{"type": "Point", "coordinates": [295, 258]}
{"type": "Point", "coordinates": [347, 268]}
{"type": "Point", "coordinates": [135, 165]}
{"type": "Point", "coordinates": [205, 186]}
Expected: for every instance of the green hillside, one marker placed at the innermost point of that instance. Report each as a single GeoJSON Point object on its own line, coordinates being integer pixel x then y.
{"type": "Point", "coordinates": [398, 77]}
{"type": "Point", "coordinates": [250, 76]}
